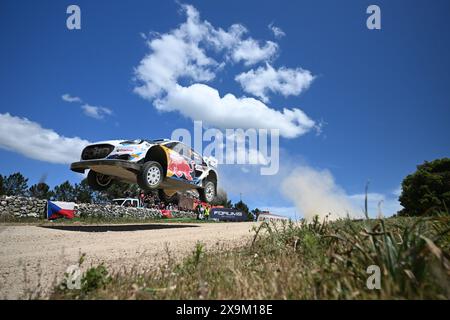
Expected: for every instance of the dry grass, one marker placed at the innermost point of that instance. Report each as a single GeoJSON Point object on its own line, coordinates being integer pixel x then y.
{"type": "Point", "coordinates": [297, 261]}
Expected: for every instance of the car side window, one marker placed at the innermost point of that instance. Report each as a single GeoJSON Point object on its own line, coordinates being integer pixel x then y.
{"type": "Point", "coordinates": [170, 145]}
{"type": "Point", "coordinates": [183, 150]}
{"type": "Point", "coordinates": [127, 203]}
{"type": "Point", "coordinates": [180, 148]}
{"type": "Point", "coordinates": [197, 158]}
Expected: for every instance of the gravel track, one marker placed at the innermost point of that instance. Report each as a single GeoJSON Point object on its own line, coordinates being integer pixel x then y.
{"type": "Point", "coordinates": [35, 257]}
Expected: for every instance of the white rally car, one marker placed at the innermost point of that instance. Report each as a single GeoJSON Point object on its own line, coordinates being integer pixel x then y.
{"type": "Point", "coordinates": [166, 165]}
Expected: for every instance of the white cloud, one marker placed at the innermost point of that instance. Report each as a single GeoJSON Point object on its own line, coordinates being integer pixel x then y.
{"type": "Point", "coordinates": [277, 32]}
{"type": "Point", "coordinates": [68, 98]}
{"type": "Point", "coordinates": [202, 102]}
{"type": "Point", "coordinates": [31, 140]}
{"type": "Point", "coordinates": [251, 52]}
{"type": "Point", "coordinates": [95, 112]}
{"type": "Point", "coordinates": [284, 80]}
{"type": "Point", "coordinates": [182, 54]}
{"type": "Point", "coordinates": [89, 110]}
{"type": "Point", "coordinates": [245, 170]}
{"type": "Point", "coordinates": [243, 150]}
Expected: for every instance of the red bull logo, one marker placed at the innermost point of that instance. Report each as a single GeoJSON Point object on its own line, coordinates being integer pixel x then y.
{"type": "Point", "coordinates": [179, 166]}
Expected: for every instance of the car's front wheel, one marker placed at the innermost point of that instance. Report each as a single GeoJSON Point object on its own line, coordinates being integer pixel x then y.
{"type": "Point", "coordinates": [98, 181]}
{"type": "Point", "coordinates": [151, 176]}
{"type": "Point", "coordinates": [208, 192]}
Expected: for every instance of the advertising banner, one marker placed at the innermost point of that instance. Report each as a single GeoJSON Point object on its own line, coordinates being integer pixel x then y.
{"type": "Point", "coordinates": [226, 214]}
{"type": "Point", "coordinates": [271, 217]}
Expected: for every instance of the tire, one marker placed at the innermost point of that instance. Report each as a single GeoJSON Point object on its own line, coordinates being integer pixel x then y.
{"type": "Point", "coordinates": [150, 176]}
{"type": "Point", "coordinates": [208, 192]}
{"type": "Point", "coordinates": [98, 181]}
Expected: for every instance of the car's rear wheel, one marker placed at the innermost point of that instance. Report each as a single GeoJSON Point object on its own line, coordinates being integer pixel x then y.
{"type": "Point", "coordinates": [151, 176]}
{"type": "Point", "coordinates": [208, 192]}
{"type": "Point", "coordinates": [98, 181]}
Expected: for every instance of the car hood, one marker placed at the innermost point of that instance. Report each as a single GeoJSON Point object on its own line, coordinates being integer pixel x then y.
{"type": "Point", "coordinates": [117, 143]}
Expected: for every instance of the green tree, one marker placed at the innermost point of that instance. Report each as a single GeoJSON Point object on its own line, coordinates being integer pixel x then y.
{"type": "Point", "coordinates": [427, 190]}
{"type": "Point", "coordinates": [84, 193]}
{"type": "Point", "coordinates": [228, 204]}
{"type": "Point", "coordinates": [243, 207]}
{"type": "Point", "coordinates": [1, 185]}
{"type": "Point", "coordinates": [15, 185]}
{"type": "Point", "coordinates": [222, 199]}
{"type": "Point", "coordinates": [121, 190]}
{"type": "Point", "coordinates": [40, 190]}
{"type": "Point", "coordinates": [256, 212]}
{"type": "Point", "coordinates": [64, 192]}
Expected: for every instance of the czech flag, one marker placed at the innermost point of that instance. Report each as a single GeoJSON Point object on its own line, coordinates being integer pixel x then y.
{"type": "Point", "coordinates": [59, 209]}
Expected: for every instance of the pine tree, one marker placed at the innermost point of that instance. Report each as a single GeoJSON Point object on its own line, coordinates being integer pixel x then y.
{"type": "Point", "coordinates": [64, 192]}
{"type": "Point", "coordinates": [15, 185]}
{"type": "Point", "coordinates": [40, 190]}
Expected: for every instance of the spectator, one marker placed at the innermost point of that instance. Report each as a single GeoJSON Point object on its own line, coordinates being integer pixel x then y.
{"type": "Point", "coordinates": [201, 212]}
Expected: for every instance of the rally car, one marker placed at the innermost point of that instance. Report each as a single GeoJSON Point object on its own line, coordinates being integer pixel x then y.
{"type": "Point", "coordinates": [166, 165]}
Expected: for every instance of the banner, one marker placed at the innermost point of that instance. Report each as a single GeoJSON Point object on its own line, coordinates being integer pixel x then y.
{"type": "Point", "coordinates": [271, 217]}
{"type": "Point", "coordinates": [59, 209]}
{"type": "Point", "coordinates": [226, 214]}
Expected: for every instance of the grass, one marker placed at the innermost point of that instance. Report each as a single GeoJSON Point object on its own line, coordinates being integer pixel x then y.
{"type": "Point", "coordinates": [297, 261]}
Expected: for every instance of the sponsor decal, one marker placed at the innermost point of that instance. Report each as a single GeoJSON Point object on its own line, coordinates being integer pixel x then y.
{"type": "Point", "coordinates": [136, 155]}
{"type": "Point", "coordinates": [125, 150]}
{"type": "Point", "coordinates": [178, 166]}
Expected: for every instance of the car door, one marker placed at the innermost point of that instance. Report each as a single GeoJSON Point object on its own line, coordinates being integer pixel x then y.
{"type": "Point", "coordinates": [200, 166]}
{"type": "Point", "coordinates": [180, 164]}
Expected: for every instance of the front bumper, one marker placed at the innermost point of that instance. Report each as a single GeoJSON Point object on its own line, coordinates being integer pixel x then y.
{"type": "Point", "coordinates": [81, 166]}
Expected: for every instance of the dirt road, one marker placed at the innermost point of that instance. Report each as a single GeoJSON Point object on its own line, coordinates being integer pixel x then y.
{"type": "Point", "coordinates": [34, 257]}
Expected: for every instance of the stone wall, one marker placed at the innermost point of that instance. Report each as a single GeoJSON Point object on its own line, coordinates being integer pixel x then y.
{"type": "Point", "coordinates": [32, 207]}
{"type": "Point", "coordinates": [85, 210]}
{"type": "Point", "coordinates": [22, 207]}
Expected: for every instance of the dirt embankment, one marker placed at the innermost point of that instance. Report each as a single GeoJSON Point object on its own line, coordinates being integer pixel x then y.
{"type": "Point", "coordinates": [34, 257]}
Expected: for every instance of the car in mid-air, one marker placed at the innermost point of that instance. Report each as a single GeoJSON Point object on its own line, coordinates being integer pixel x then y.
{"type": "Point", "coordinates": [164, 165]}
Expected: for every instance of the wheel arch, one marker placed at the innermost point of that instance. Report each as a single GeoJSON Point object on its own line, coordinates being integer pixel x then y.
{"type": "Point", "coordinates": [158, 154]}
{"type": "Point", "coordinates": [212, 176]}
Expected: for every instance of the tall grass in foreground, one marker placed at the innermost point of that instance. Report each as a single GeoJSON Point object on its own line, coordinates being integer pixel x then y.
{"type": "Point", "coordinates": [299, 261]}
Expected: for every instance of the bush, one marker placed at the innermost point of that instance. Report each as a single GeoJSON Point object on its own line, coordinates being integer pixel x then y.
{"type": "Point", "coordinates": [427, 191]}
{"type": "Point", "coordinates": [95, 278]}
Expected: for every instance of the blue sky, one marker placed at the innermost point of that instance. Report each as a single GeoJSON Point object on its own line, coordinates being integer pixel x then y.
{"type": "Point", "coordinates": [382, 96]}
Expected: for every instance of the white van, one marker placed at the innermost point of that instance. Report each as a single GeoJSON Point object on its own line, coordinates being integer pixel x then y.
{"type": "Point", "coordinates": [128, 202]}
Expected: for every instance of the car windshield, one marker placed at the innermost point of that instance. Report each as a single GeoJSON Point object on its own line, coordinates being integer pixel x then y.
{"type": "Point", "coordinates": [137, 141]}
